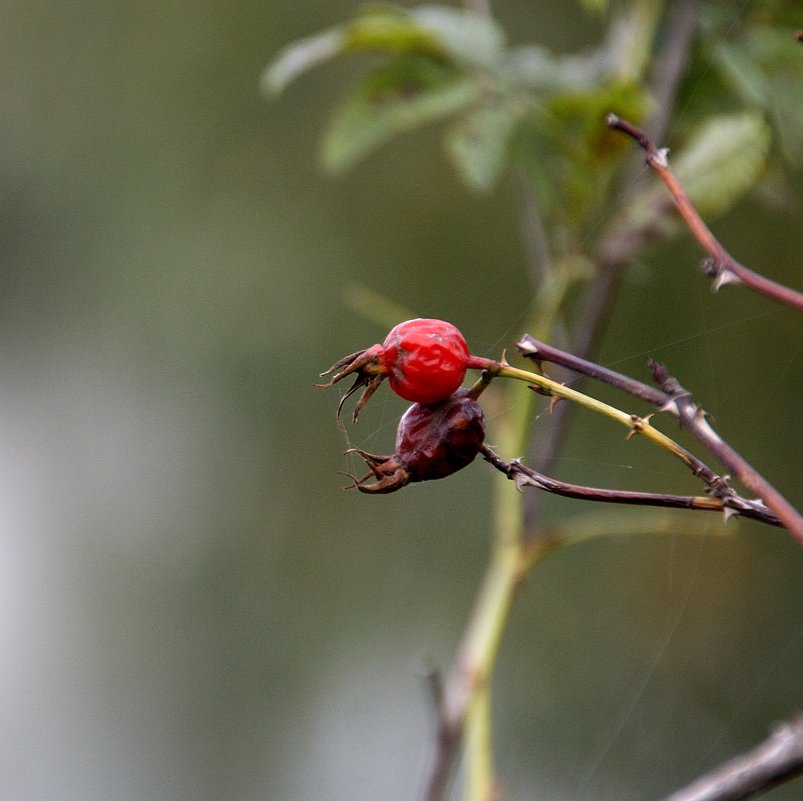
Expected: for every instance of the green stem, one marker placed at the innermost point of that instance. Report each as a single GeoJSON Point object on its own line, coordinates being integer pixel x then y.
{"type": "Point", "coordinates": [480, 778]}
{"type": "Point", "coordinates": [635, 423]}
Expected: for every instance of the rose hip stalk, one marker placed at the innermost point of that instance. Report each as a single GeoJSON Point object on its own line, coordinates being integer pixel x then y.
{"type": "Point", "coordinates": [424, 361]}
{"type": "Point", "coordinates": [432, 441]}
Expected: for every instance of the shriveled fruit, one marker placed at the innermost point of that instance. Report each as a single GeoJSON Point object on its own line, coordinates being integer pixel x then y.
{"type": "Point", "coordinates": [432, 441]}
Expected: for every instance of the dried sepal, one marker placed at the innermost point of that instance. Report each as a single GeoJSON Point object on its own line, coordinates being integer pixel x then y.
{"type": "Point", "coordinates": [390, 474]}
{"type": "Point", "coordinates": [369, 374]}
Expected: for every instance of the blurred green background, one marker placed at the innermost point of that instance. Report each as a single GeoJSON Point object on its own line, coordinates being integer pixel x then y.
{"type": "Point", "coordinates": [192, 607]}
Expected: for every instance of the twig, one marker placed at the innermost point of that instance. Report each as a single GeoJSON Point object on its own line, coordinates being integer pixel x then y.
{"type": "Point", "coordinates": [527, 477]}
{"type": "Point", "coordinates": [721, 265]}
{"type": "Point", "coordinates": [636, 424]}
{"type": "Point", "coordinates": [778, 759]}
{"type": "Point", "coordinates": [676, 400]}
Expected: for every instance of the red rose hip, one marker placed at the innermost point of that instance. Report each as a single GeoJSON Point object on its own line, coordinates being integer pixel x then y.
{"type": "Point", "coordinates": [425, 360]}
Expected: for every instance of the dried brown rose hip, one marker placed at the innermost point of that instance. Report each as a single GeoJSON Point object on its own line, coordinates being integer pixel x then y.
{"type": "Point", "coordinates": [432, 441]}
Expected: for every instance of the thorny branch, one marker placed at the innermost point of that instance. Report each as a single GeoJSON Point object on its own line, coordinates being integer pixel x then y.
{"type": "Point", "coordinates": [617, 247]}
{"type": "Point", "coordinates": [720, 264]}
{"type": "Point", "coordinates": [527, 477]}
{"type": "Point", "coordinates": [615, 250]}
{"type": "Point", "coordinates": [673, 398]}
{"type": "Point", "coordinates": [694, 419]}
{"type": "Point", "coordinates": [778, 759]}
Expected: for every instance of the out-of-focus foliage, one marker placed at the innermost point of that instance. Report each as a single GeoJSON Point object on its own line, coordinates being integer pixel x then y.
{"type": "Point", "coordinates": [526, 107]}
{"type": "Point", "coordinates": [766, 70]}
{"type": "Point", "coordinates": [396, 97]}
{"type": "Point", "coordinates": [450, 63]}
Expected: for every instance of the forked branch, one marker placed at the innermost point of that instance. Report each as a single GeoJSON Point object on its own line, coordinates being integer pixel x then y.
{"type": "Point", "coordinates": [673, 398]}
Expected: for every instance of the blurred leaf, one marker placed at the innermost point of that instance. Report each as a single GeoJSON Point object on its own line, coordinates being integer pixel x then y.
{"type": "Point", "coordinates": [764, 67]}
{"type": "Point", "coordinates": [479, 142]}
{"type": "Point", "coordinates": [588, 150]}
{"type": "Point", "coordinates": [469, 39]}
{"type": "Point", "coordinates": [390, 29]}
{"type": "Point", "coordinates": [441, 32]}
{"type": "Point", "coordinates": [536, 67]}
{"type": "Point", "coordinates": [392, 99]}
{"type": "Point", "coordinates": [299, 57]}
{"type": "Point", "coordinates": [723, 160]}
{"type": "Point", "coordinates": [580, 118]}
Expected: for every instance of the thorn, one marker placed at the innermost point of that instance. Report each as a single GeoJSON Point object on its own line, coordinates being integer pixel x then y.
{"type": "Point", "coordinates": [638, 424]}
{"type": "Point", "coordinates": [723, 278]}
{"type": "Point", "coordinates": [728, 513]}
{"type": "Point", "coordinates": [503, 359]}
{"type": "Point", "coordinates": [670, 406]}
{"type": "Point", "coordinates": [661, 158]}
{"type": "Point", "coordinates": [553, 402]}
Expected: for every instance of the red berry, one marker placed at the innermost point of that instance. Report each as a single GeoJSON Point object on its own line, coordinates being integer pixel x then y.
{"type": "Point", "coordinates": [425, 360]}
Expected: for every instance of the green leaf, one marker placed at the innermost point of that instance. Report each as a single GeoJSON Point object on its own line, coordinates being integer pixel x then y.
{"type": "Point", "coordinates": [443, 33]}
{"type": "Point", "coordinates": [468, 39]}
{"type": "Point", "coordinates": [397, 97]}
{"type": "Point", "coordinates": [478, 143]}
{"type": "Point", "coordinates": [536, 67]}
{"type": "Point", "coordinates": [391, 30]}
{"type": "Point", "coordinates": [299, 57]}
{"type": "Point", "coordinates": [723, 160]}
{"type": "Point", "coordinates": [764, 67]}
